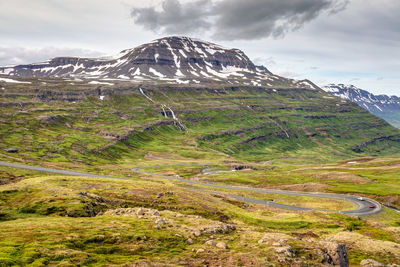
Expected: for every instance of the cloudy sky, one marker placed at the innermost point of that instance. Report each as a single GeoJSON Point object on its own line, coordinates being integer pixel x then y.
{"type": "Point", "coordinates": [328, 41]}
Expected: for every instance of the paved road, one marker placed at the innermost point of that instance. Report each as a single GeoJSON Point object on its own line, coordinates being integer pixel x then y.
{"type": "Point", "coordinates": [362, 209]}
{"type": "Point", "coordinates": [51, 170]}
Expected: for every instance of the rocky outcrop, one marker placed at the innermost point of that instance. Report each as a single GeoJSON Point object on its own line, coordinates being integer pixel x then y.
{"type": "Point", "coordinates": [199, 227]}
{"type": "Point", "coordinates": [335, 254]}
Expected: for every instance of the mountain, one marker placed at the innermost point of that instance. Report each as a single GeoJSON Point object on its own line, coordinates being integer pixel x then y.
{"type": "Point", "coordinates": [383, 106]}
{"type": "Point", "coordinates": [135, 103]}
{"type": "Point", "coordinates": [170, 60]}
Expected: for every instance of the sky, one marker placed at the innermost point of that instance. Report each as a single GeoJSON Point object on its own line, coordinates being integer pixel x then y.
{"type": "Point", "coordinates": [327, 41]}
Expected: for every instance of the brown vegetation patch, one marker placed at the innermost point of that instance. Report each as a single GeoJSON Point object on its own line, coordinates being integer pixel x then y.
{"type": "Point", "coordinates": [342, 177]}
{"type": "Point", "coordinates": [306, 187]}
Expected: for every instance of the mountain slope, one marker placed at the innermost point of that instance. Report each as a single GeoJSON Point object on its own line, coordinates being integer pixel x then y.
{"type": "Point", "coordinates": [170, 60]}
{"type": "Point", "coordinates": [383, 106]}
{"type": "Point", "coordinates": [51, 120]}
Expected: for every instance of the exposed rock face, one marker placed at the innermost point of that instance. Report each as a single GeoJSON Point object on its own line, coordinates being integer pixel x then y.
{"type": "Point", "coordinates": [335, 254]}
{"type": "Point", "coordinates": [171, 60]}
{"type": "Point", "coordinates": [386, 107]}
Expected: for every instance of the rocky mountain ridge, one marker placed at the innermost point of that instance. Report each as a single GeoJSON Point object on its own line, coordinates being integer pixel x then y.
{"type": "Point", "coordinates": [384, 106]}
{"type": "Point", "coordinates": [178, 60]}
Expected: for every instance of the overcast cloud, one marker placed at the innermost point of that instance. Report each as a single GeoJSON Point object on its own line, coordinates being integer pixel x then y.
{"type": "Point", "coordinates": [234, 19]}
{"type": "Point", "coordinates": [21, 55]}
{"type": "Point", "coordinates": [327, 41]}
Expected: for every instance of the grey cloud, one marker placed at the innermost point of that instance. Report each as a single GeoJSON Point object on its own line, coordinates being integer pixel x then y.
{"type": "Point", "coordinates": [234, 19]}
{"type": "Point", "coordinates": [174, 17]}
{"type": "Point", "coordinates": [22, 55]}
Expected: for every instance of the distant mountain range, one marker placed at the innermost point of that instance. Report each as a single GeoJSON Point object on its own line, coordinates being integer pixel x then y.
{"type": "Point", "coordinates": [386, 107]}
{"type": "Point", "coordinates": [172, 60]}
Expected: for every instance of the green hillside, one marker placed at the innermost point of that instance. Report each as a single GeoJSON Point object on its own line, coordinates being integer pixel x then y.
{"type": "Point", "coordinates": [67, 123]}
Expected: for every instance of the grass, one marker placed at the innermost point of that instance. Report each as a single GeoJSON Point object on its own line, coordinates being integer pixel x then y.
{"type": "Point", "coordinates": [94, 132]}
{"type": "Point", "coordinates": [51, 238]}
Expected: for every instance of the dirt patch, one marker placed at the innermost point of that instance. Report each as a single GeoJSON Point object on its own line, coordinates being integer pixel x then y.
{"type": "Point", "coordinates": [343, 177]}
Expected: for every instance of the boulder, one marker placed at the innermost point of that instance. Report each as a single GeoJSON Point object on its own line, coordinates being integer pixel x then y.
{"type": "Point", "coordinates": [160, 221]}
{"type": "Point", "coordinates": [222, 245]}
{"type": "Point", "coordinates": [211, 243]}
{"type": "Point", "coordinates": [286, 251]}
{"type": "Point", "coordinates": [140, 212]}
{"type": "Point", "coordinates": [200, 250]}
{"type": "Point", "coordinates": [197, 233]}
{"type": "Point", "coordinates": [370, 263]}
{"type": "Point", "coordinates": [335, 254]}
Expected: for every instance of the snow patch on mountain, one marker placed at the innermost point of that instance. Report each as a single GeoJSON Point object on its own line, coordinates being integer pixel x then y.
{"type": "Point", "coordinates": [386, 107]}
{"type": "Point", "coordinates": [11, 80]}
{"type": "Point", "coordinates": [169, 60]}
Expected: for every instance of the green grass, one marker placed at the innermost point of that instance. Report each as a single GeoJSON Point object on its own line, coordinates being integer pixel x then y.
{"type": "Point", "coordinates": [249, 124]}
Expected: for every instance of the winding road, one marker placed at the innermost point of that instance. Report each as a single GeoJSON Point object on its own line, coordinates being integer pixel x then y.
{"type": "Point", "coordinates": [363, 206]}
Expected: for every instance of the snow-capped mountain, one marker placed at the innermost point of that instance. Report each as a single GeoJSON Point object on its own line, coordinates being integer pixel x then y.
{"type": "Point", "coordinates": [386, 107]}
{"type": "Point", "coordinates": [170, 59]}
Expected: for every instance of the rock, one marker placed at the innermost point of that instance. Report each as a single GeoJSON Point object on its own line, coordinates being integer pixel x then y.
{"type": "Point", "coordinates": [270, 238]}
{"type": "Point", "coordinates": [211, 243]}
{"type": "Point", "coordinates": [140, 212]}
{"type": "Point", "coordinates": [197, 233]}
{"type": "Point", "coordinates": [335, 254]}
{"type": "Point", "coordinates": [11, 150]}
{"type": "Point", "coordinates": [286, 251]}
{"type": "Point", "coordinates": [308, 234]}
{"type": "Point", "coordinates": [190, 241]}
{"type": "Point", "coordinates": [160, 221]}
{"type": "Point", "coordinates": [156, 213]}
{"type": "Point", "coordinates": [200, 250]}
{"type": "Point", "coordinates": [222, 245]}
{"type": "Point", "coordinates": [370, 263]}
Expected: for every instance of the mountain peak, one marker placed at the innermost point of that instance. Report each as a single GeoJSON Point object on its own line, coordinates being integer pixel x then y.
{"type": "Point", "coordinates": [386, 107]}
{"type": "Point", "coordinates": [174, 59]}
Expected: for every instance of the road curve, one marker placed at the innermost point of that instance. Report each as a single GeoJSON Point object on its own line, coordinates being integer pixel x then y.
{"type": "Point", "coordinates": [363, 206]}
